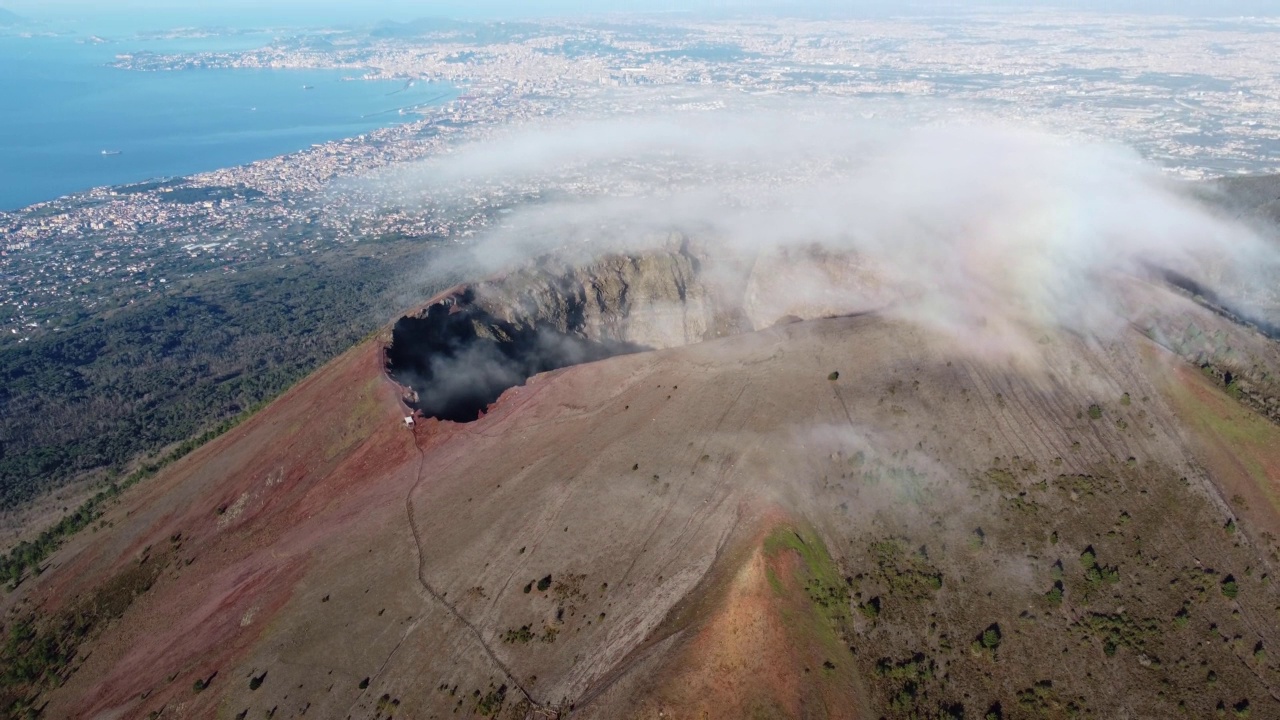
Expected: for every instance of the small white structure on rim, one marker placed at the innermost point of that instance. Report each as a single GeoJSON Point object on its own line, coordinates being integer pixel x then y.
{"type": "Point", "coordinates": [408, 421]}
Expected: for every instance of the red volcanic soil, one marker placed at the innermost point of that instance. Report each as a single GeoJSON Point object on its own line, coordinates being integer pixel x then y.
{"type": "Point", "coordinates": [763, 649]}
{"type": "Point", "coordinates": [246, 516]}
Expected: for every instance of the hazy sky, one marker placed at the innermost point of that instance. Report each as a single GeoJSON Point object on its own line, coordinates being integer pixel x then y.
{"type": "Point", "coordinates": [254, 12]}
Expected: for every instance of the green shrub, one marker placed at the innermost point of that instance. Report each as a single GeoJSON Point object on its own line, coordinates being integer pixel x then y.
{"type": "Point", "coordinates": [1181, 619]}
{"type": "Point", "coordinates": [1088, 559]}
{"type": "Point", "coordinates": [1230, 588]}
{"type": "Point", "coordinates": [871, 608]}
{"type": "Point", "coordinates": [991, 637]}
{"type": "Point", "coordinates": [491, 704]}
{"type": "Point", "coordinates": [521, 636]}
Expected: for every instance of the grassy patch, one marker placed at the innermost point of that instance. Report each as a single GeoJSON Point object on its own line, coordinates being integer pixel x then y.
{"type": "Point", "coordinates": [826, 589]}
{"type": "Point", "coordinates": [908, 574]}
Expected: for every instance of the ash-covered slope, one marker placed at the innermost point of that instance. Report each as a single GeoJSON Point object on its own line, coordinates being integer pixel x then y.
{"type": "Point", "coordinates": [845, 516]}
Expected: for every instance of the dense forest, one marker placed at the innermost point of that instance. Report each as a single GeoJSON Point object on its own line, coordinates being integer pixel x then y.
{"type": "Point", "coordinates": [163, 370]}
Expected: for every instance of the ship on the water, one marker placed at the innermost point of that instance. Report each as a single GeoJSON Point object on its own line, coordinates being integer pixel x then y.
{"type": "Point", "coordinates": [110, 152]}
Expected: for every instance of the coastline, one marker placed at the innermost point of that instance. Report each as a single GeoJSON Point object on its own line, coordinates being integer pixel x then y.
{"type": "Point", "coordinates": [77, 125]}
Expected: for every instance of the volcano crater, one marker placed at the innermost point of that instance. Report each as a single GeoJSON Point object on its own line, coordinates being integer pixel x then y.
{"type": "Point", "coordinates": [457, 358]}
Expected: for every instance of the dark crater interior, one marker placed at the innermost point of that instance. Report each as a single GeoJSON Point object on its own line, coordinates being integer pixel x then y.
{"type": "Point", "coordinates": [458, 358]}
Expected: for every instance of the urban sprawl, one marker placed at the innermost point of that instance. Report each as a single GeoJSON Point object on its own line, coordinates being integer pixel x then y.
{"type": "Point", "coordinates": [1118, 78]}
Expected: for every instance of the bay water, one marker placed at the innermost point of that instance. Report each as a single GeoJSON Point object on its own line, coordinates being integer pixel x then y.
{"type": "Point", "coordinates": [69, 121]}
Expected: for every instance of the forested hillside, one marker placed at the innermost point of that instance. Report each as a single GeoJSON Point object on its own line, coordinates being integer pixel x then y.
{"type": "Point", "coordinates": [164, 369]}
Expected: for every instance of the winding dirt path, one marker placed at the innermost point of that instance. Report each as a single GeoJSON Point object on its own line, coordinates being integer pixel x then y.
{"type": "Point", "coordinates": [539, 709]}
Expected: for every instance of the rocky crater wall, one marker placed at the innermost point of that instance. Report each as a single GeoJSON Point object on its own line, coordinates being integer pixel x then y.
{"type": "Point", "coordinates": [458, 354]}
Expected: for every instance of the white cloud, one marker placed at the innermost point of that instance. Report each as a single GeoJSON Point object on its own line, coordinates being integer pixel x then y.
{"type": "Point", "coordinates": [987, 232]}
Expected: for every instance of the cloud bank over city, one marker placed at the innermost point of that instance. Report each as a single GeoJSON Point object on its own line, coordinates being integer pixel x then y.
{"type": "Point", "coordinates": [979, 230]}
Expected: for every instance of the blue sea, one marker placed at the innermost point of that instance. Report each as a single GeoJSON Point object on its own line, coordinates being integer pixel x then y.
{"type": "Point", "coordinates": [61, 106]}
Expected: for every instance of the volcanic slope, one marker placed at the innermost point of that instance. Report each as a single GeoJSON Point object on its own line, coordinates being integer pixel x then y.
{"type": "Point", "coordinates": [848, 517]}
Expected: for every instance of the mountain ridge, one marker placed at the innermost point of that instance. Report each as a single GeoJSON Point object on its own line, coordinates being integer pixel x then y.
{"type": "Point", "coordinates": [815, 490]}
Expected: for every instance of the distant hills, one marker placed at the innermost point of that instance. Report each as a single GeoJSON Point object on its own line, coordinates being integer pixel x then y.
{"type": "Point", "coordinates": [479, 32]}
{"type": "Point", "coordinates": [10, 18]}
